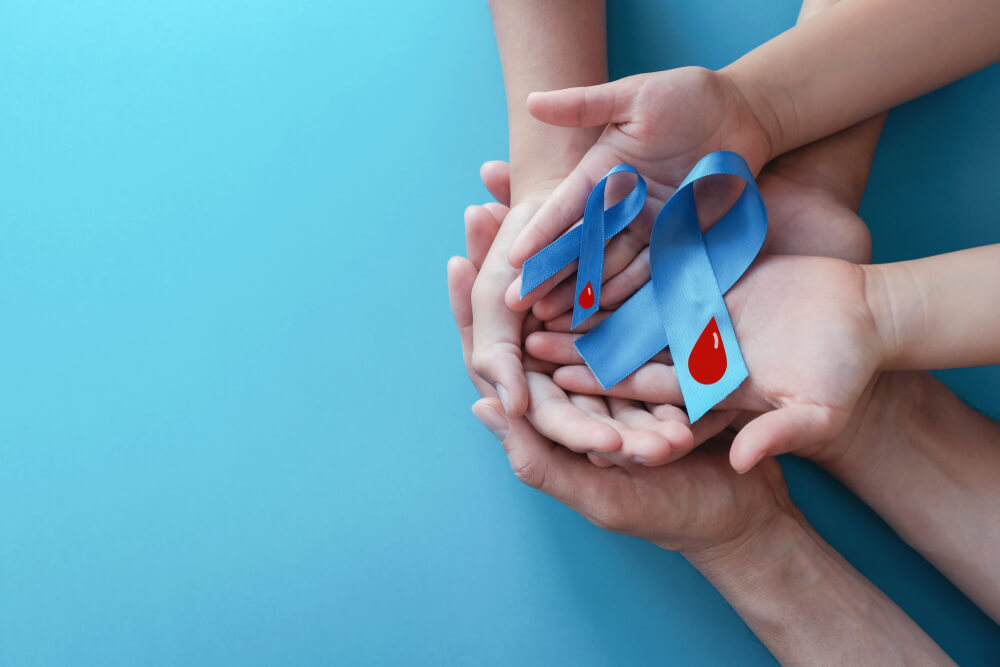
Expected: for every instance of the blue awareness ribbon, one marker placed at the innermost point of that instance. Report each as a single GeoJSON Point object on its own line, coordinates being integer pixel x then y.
{"type": "Point", "coordinates": [586, 241]}
{"type": "Point", "coordinates": [682, 306]}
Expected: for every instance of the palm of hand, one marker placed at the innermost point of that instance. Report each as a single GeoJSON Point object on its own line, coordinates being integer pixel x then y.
{"type": "Point", "coordinates": [699, 503]}
{"type": "Point", "coordinates": [809, 342]}
{"type": "Point", "coordinates": [675, 118]}
{"type": "Point", "coordinates": [661, 123]}
{"type": "Point", "coordinates": [809, 337]}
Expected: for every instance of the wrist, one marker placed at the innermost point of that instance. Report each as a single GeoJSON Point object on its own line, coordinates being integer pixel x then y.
{"type": "Point", "coordinates": [751, 555]}
{"type": "Point", "coordinates": [886, 416]}
{"type": "Point", "coordinates": [889, 296]}
{"type": "Point", "coordinates": [801, 598]}
{"type": "Point", "coordinates": [785, 582]}
{"type": "Point", "coordinates": [760, 116]}
{"type": "Point", "coordinates": [540, 160]}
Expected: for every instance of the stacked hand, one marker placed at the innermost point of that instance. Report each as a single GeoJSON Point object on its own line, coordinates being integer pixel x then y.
{"type": "Point", "coordinates": [697, 505]}
{"type": "Point", "coordinates": [660, 123]}
{"type": "Point", "coordinates": [811, 199]}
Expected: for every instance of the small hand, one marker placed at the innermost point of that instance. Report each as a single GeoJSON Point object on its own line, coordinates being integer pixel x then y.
{"type": "Point", "coordinates": [661, 123]}
{"type": "Point", "coordinates": [812, 196]}
{"type": "Point", "coordinates": [810, 343]}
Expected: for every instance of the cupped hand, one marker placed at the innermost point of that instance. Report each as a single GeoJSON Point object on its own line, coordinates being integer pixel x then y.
{"type": "Point", "coordinates": [498, 330]}
{"type": "Point", "coordinates": [661, 123]}
{"type": "Point", "coordinates": [608, 431]}
{"type": "Point", "coordinates": [696, 505]}
{"type": "Point", "coordinates": [810, 343]}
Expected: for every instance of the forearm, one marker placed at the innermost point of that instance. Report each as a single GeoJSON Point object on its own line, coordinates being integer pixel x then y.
{"type": "Point", "coordinates": [545, 45]}
{"type": "Point", "coordinates": [808, 605]}
{"type": "Point", "coordinates": [938, 312]}
{"type": "Point", "coordinates": [859, 58]}
{"type": "Point", "coordinates": [930, 466]}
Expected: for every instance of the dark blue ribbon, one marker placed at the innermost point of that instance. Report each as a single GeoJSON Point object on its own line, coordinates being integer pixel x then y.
{"type": "Point", "coordinates": [683, 304]}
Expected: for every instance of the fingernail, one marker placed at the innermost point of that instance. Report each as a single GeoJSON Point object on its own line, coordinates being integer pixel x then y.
{"type": "Point", "coordinates": [504, 397]}
{"type": "Point", "coordinates": [492, 420]}
{"type": "Point", "coordinates": [640, 459]}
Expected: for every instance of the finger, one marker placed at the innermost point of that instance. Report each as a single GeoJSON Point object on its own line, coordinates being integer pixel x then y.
{"type": "Point", "coordinates": [565, 205]}
{"type": "Point", "coordinates": [599, 460]}
{"type": "Point", "coordinates": [712, 424]}
{"type": "Point", "coordinates": [621, 252]}
{"type": "Point", "coordinates": [780, 431]}
{"type": "Point", "coordinates": [597, 408]}
{"type": "Point", "coordinates": [652, 383]}
{"type": "Point", "coordinates": [541, 464]}
{"type": "Point", "coordinates": [554, 416]}
{"type": "Point", "coordinates": [638, 435]}
{"type": "Point", "coordinates": [657, 446]}
{"type": "Point", "coordinates": [559, 347]}
{"type": "Point", "coordinates": [496, 330]}
{"type": "Point", "coordinates": [495, 175]}
{"type": "Point", "coordinates": [556, 348]}
{"type": "Point", "coordinates": [586, 106]}
{"type": "Point", "coordinates": [512, 297]}
{"type": "Point", "coordinates": [481, 229]}
{"type": "Point", "coordinates": [560, 289]}
{"type": "Point", "coordinates": [461, 276]}
{"type": "Point", "coordinates": [627, 282]}
{"type": "Point", "coordinates": [706, 428]}
{"type": "Point", "coordinates": [594, 406]}
{"type": "Point", "coordinates": [499, 211]}
{"type": "Point", "coordinates": [564, 323]}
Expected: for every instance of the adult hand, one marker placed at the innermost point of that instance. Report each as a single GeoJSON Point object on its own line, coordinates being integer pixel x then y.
{"type": "Point", "coordinates": [695, 505]}
{"type": "Point", "coordinates": [610, 432]}
{"type": "Point", "coordinates": [498, 330]}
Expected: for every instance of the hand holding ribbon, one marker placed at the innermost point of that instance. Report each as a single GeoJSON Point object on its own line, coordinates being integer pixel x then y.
{"type": "Point", "coordinates": [682, 305]}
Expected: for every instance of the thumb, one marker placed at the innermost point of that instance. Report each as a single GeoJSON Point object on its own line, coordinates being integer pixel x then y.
{"type": "Point", "coordinates": [586, 106]}
{"type": "Point", "coordinates": [780, 431]}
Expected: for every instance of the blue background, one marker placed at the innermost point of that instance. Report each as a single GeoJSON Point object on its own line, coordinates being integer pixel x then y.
{"type": "Point", "coordinates": [234, 423]}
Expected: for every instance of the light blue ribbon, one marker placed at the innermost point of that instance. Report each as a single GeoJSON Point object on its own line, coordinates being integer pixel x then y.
{"type": "Point", "coordinates": [586, 241]}
{"type": "Point", "coordinates": [690, 273]}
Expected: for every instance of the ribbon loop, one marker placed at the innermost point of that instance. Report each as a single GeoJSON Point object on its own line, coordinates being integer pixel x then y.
{"type": "Point", "coordinates": [586, 241]}
{"type": "Point", "coordinates": [682, 306]}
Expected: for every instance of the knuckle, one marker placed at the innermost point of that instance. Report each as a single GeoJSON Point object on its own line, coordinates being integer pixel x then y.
{"type": "Point", "coordinates": [528, 471]}
{"type": "Point", "coordinates": [480, 362]}
{"type": "Point", "coordinates": [615, 518]}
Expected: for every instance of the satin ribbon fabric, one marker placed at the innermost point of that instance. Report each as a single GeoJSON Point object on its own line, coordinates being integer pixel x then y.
{"type": "Point", "coordinates": [682, 305]}
{"type": "Point", "coordinates": [586, 241]}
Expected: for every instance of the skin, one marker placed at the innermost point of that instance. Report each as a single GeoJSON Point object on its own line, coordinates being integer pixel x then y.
{"type": "Point", "coordinates": [811, 194]}
{"type": "Point", "coordinates": [568, 36]}
{"type": "Point", "coordinates": [809, 340]}
{"type": "Point", "coordinates": [574, 54]}
{"type": "Point", "coordinates": [815, 331]}
{"type": "Point", "coordinates": [765, 104]}
{"type": "Point", "coordinates": [741, 531]}
{"type": "Point", "coordinates": [899, 452]}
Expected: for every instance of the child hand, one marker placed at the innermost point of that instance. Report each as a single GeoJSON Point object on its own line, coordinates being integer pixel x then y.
{"type": "Point", "coordinates": [810, 342]}
{"type": "Point", "coordinates": [660, 123]}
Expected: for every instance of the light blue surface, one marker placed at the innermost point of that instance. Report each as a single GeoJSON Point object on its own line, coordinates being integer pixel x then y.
{"type": "Point", "coordinates": [234, 424]}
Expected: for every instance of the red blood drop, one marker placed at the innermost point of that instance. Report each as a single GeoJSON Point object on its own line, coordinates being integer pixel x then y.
{"type": "Point", "coordinates": [707, 361]}
{"type": "Point", "coordinates": [587, 296]}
